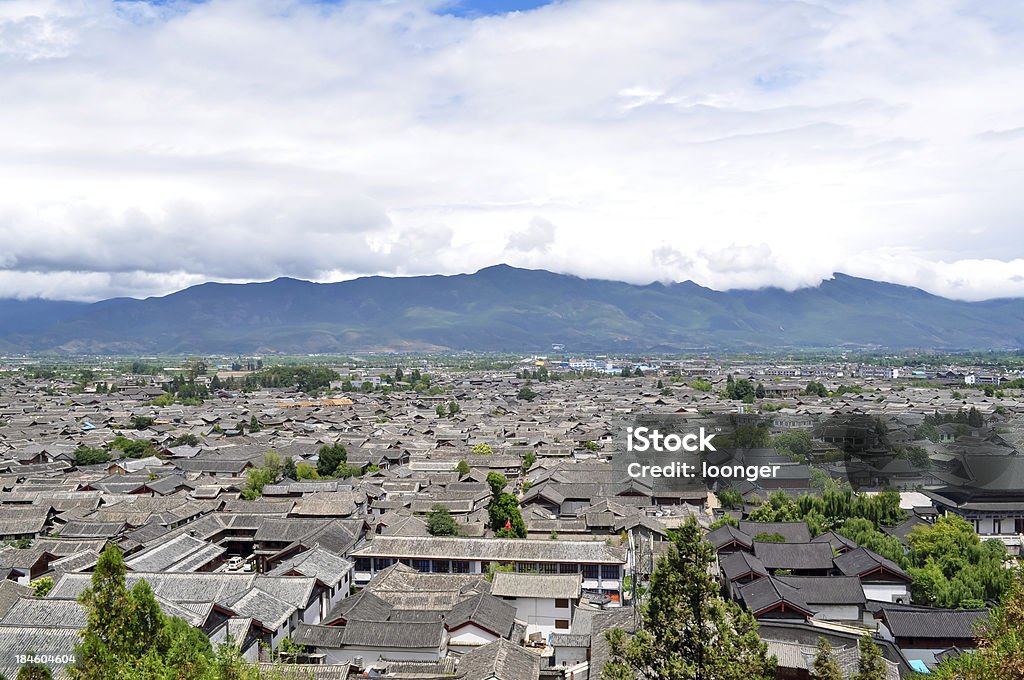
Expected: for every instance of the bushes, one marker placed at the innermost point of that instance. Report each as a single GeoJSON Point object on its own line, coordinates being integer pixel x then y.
{"type": "Point", "coordinates": [85, 455]}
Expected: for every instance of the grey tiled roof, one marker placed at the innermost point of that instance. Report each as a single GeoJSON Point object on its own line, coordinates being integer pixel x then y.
{"type": "Point", "coordinates": [552, 586]}
{"type": "Point", "coordinates": [177, 554]}
{"type": "Point", "coordinates": [193, 587]}
{"type": "Point", "coordinates": [569, 640]}
{"type": "Point", "coordinates": [860, 561]}
{"type": "Point", "coordinates": [363, 605]}
{"type": "Point", "coordinates": [497, 549]}
{"type": "Point", "coordinates": [484, 610]}
{"type": "Point", "coordinates": [794, 555]}
{"type": "Point", "coordinates": [766, 592]}
{"type": "Point", "coordinates": [325, 566]}
{"type": "Point", "coordinates": [10, 593]}
{"type": "Point", "coordinates": [500, 660]}
{"type": "Point", "coordinates": [262, 606]}
{"type": "Point", "coordinates": [737, 564]}
{"type": "Point", "coordinates": [295, 590]}
{"type": "Point", "coordinates": [826, 590]}
{"type": "Point", "coordinates": [357, 633]}
{"type": "Point", "coordinates": [726, 534]}
{"type": "Point", "coordinates": [933, 623]}
{"type": "Point", "coordinates": [16, 640]}
{"type": "Point", "coordinates": [46, 613]}
{"type": "Point", "coordinates": [604, 621]}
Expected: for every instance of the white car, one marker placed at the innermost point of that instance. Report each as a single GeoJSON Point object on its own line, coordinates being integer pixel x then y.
{"type": "Point", "coordinates": [235, 563]}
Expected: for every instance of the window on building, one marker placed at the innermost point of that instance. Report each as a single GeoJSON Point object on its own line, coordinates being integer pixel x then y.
{"type": "Point", "coordinates": [382, 563]}
{"type": "Point", "coordinates": [561, 603]}
{"type": "Point", "coordinates": [610, 572]}
{"type": "Point", "coordinates": [590, 571]}
{"type": "Point", "coordinates": [562, 624]}
{"type": "Point", "coordinates": [568, 568]}
{"type": "Point", "coordinates": [441, 566]}
{"type": "Point", "coordinates": [421, 566]}
{"type": "Point", "coordinates": [460, 567]}
{"type": "Point", "coordinates": [362, 564]}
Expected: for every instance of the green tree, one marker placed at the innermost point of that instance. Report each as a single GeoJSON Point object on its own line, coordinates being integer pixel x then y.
{"type": "Point", "coordinates": [42, 586]}
{"type": "Point", "coordinates": [121, 623]}
{"type": "Point", "coordinates": [497, 482]}
{"type": "Point", "coordinates": [688, 631]}
{"type": "Point", "coordinates": [34, 671]}
{"type": "Point", "coordinates": [952, 567]}
{"type": "Point", "coordinates": [730, 499]}
{"type": "Point", "coordinates": [528, 460]}
{"type": "Point", "coordinates": [742, 390]}
{"type": "Point", "coordinates": [482, 449]}
{"type": "Point", "coordinates": [749, 436]}
{"type": "Point", "coordinates": [815, 388]}
{"type": "Point", "coordinates": [724, 520]}
{"type": "Point", "coordinates": [702, 385]}
{"type": "Point", "coordinates": [825, 665]}
{"type": "Point", "coordinates": [306, 471]}
{"type": "Point", "coordinates": [272, 462]}
{"type": "Point", "coordinates": [141, 422]}
{"type": "Point", "coordinates": [453, 408]}
{"type": "Point", "coordinates": [85, 455]}
{"type": "Point", "coordinates": [526, 393]}
{"type": "Point", "coordinates": [1000, 652]}
{"type": "Point", "coordinates": [187, 439]}
{"type": "Point", "coordinates": [503, 511]}
{"type": "Point", "coordinates": [331, 457]}
{"type": "Point", "coordinates": [974, 418]}
{"type": "Point", "coordinates": [797, 442]}
{"type": "Point", "coordinates": [127, 636]}
{"type": "Point", "coordinates": [441, 523]}
{"type": "Point", "coordinates": [254, 425]}
{"type": "Point", "coordinates": [462, 468]}
{"type": "Point", "coordinates": [439, 410]}
{"type": "Point", "coordinates": [870, 665]}
{"type": "Point", "coordinates": [255, 479]}
{"type": "Point", "coordinates": [289, 470]}
{"type": "Point", "coordinates": [778, 508]}
{"type": "Point", "coordinates": [759, 391]}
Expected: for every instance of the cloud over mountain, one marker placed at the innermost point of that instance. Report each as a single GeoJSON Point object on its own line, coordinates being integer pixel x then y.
{"type": "Point", "coordinates": [144, 147]}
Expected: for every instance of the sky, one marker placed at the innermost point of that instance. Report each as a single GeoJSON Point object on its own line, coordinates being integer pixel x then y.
{"type": "Point", "coordinates": [146, 147]}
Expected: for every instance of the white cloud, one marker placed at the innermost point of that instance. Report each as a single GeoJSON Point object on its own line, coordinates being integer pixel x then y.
{"type": "Point", "coordinates": [538, 236]}
{"type": "Point", "coordinates": [734, 143]}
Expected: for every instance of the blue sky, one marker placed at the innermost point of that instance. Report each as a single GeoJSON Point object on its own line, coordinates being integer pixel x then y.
{"type": "Point", "coordinates": [490, 7]}
{"type": "Point", "coordinates": [736, 143]}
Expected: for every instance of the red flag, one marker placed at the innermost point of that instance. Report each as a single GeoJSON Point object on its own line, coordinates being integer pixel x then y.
{"type": "Point", "coordinates": [508, 523]}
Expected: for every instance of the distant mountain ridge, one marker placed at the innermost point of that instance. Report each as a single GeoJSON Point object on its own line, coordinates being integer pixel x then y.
{"type": "Point", "coordinates": [503, 308]}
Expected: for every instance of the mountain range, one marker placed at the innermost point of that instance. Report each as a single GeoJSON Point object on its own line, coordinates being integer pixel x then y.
{"type": "Point", "coordinates": [503, 308]}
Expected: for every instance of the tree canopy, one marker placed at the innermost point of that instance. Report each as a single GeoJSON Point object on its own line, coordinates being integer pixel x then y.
{"type": "Point", "coordinates": [1000, 652]}
{"type": "Point", "coordinates": [826, 667]}
{"type": "Point", "coordinates": [503, 511]}
{"type": "Point", "coordinates": [953, 567]}
{"type": "Point", "coordinates": [688, 631]}
{"type": "Point", "coordinates": [441, 523]}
